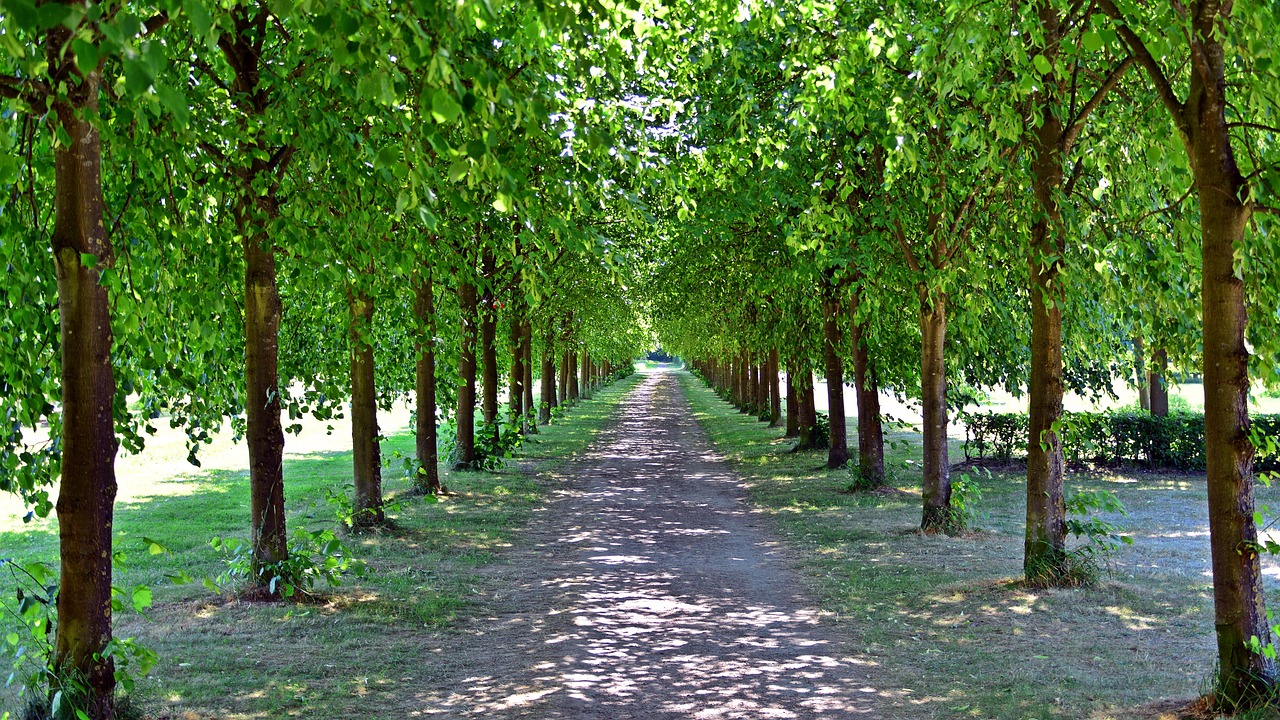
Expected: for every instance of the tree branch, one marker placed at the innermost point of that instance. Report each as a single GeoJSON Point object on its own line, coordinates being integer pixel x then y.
{"type": "Point", "coordinates": [1255, 126]}
{"type": "Point", "coordinates": [901, 235]}
{"type": "Point", "coordinates": [1138, 50]}
{"type": "Point", "coordinates": [1077, 125]}
{"type": "Point", "coordinates": [1266, 209]}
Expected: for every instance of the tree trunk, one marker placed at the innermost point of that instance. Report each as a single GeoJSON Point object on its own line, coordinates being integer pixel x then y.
{"type": "Point", "coordinates": [775, 399]}
{"type": "Point", "coordinates": [1044, 546]}
{"type": "Point", "coordinates": [262, 310]}
{"type": "Point", "coordinates": [933, 391]}
{"type": "Point", "coordinates": [366, 453]}
{"type": "Point", "coordinates": [87, 492]}
{"type": "Point", "coordinates": [575, 392]}
{"type": "Point", "coordinates": [867, 387]}
{"type": "Point", "coordinates": [428, 478]}
{"type": "Point", "coordinates": [515, 379]}
{"type": "Point", "coordinates": [548, 399]}
{"type": "Point", "coordinates": [488, 349]}
{"type": "Point", "coordinates": [566, 361]}
{"type": "Point", "coordinates": [1158, 384]}
{"type": "Point", "coordinates": [1144, 387]}
{"type": "Point", "coordinates": [838, 449]}
{"type": "Point", "coordinates": [526, 339]}
{"type": "Point", "coordinates": [586, 374]}
{"type": "Point", "coordinates": [806, 411]}
{"type": "Point", "coordinates": [1239, 605]}
{"type": "Point", "coordinates": [793, 403]}
{"type": "Point", "coordinates": [264, 435]}
{"type": "Point", "coordinates": [466, 420]}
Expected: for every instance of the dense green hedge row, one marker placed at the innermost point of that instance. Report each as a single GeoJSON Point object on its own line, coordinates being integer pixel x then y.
{"type": "Point", "coordinates": [1108, 438]}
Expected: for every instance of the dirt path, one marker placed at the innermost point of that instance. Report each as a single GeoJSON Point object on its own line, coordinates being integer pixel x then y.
{"type": "Point", "coordinates": [648, 589]}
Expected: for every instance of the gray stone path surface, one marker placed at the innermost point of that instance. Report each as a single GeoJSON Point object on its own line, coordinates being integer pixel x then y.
{"type": "Point", "coordinates": [647, 588]}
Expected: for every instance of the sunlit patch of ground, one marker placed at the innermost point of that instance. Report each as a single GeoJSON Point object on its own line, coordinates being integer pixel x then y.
{"type": "Point", "coordinates": [945, 615]}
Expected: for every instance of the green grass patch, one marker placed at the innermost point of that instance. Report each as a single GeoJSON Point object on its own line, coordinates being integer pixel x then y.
{"type": "Point", "coordinates": [946, 627]}
{"type": "Point", "coordinates": [358, 650]}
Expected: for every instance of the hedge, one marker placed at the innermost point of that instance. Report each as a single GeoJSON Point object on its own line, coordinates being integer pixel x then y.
{"type": "Point", "coordinates": [1114, 438]}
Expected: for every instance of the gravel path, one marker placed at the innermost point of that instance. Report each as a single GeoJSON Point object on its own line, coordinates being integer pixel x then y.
{"type": "Point", "coordinates": [648, 589]}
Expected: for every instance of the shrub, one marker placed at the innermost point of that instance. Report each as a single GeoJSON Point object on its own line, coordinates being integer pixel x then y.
{"type": "Point", "coordinates": [1109, 438]}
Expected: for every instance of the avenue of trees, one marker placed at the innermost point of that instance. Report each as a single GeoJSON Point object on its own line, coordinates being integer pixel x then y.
{"type": "Point", "coordinates": [249, 211]}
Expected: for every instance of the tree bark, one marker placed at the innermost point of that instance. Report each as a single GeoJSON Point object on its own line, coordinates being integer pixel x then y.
{"type": "Point", "coordinates": [262, 310]}
{"type": "Point", "coordinates": [548, 399]}
{"type": "Point", "coordinates": [806, 411]}
{"type": "Point", "coordinates": [1044, 546]}
{"type": "Point", "coordinates": [466, 420]}
{"type": "Point", "coordinates": [933, 390]}
{"type": "Point", "coordinates": [515, 379]}
{"type": "Point", "coordinates": [526, 339]}
{"type": "Point", "coordinates": [1158, 384]}
{"type": "Point", "coordinates": [838, 449]}
{"type": "Point", "coordinates": [1244, 677]}
{"type": "Point", "coordinates": [870, 425]}
{"type": "Point", "coordinates": [575, 392]}
{"type": "Point", "coordinates": [1239, 604]}
{"type": "Point", "coordinates": [428, 478]}
{"type": "Point", "coordinates": [1144, 386]}
{"type": "Point", "coordinates": [87, 491]}
{"type": "Point", "coordinates": [586, 374]}
{"type": "Point", "coordinates": [488, 348]}
{"type": "Point", "coordinates": [793, 403]}
{"type": "Point", "coordinates": [775, 399]}
{"type": "Point", "coordinates": [566, 360]}
{"type": "Point", "coordinates": [366, 453]}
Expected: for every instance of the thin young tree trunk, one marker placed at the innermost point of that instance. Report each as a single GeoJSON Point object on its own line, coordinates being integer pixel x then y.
{"type": "Point", "coordinates": [586, 374]}
{"type": "Point", "coordinates": [262, 309]}
{"type": "Point", "coordinates": [1044, 546]}
{"type": "Point", "coordinates": [572, 369]}
{"type": "Point", "coordinates": [806, 412]}
{"type": "Point", "coordinates": [838, 449]}
{"type": "Point", "coordinates": [933, 379]}
{"type": "Point", "coordinates": [366, 454]}
{"type": "Point", "coordinates": [1158, 383]}
{"type": "Point", "coordinates": [775, 399]}
{"type": "Point", "coordinates": [515, 380]}
{"type": "Point", "coordinates": [566, 361]}
{"type": "Point", "coordinates": [488, 348]}
{"type": "Point", "coordinates": [870, 425]}
{"type": "Point", "coordinates": [466, 415]}
{"type": "Point", "coordinates": [264, 434]}
{"type": "Point", "coordinates": [87, 490]}
{"type": "Point", "coordinates": [793, 402]}
{"type": "Point", "coordinates": [428, 478]}
{"type": "Point", "coordinates": [1144, 386]}
{"type": "Point", "coordinates": [526, 339]}
{"type": "Point", "coordinates": [548, 399]}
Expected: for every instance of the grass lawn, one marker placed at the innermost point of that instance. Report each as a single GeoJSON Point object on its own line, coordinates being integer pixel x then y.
{"type": "Point", "coordinates": [348, 652]}
{"type": "Point", "coordinates": [944, 617]}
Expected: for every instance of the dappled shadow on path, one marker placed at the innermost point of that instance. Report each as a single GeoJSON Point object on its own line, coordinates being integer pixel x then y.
{"type": "Point", "coordinates": [657, 597]}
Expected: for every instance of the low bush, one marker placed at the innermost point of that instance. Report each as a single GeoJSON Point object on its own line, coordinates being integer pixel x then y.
{"type": "Point", "coordinates": [1120, 437]}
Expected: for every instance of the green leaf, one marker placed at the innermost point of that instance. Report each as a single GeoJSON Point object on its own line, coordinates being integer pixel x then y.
{"type": "Point", "coordinates": [476, 149]}
{"type": "Point", "coordinates": [1092, 41]}
{"type": "Point", "coordinates": [141, 598]}
{"type": "Point", "coordinates": [86, 55]}
{"type": "Point", "coordinates": [443, 107]}
{"type": "Point", "coordinates": [1042, 64]}
{"type": "Point", "coordinates": [176, 102]}
{"type": "Point", "coordinates": [502, 203]}
{"type": "Point", "coordinates": [198, 14]}
{"type": "Point", "coordinates": [23, 12]}
{"type": "Point", "coordinates": [458, 170]}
